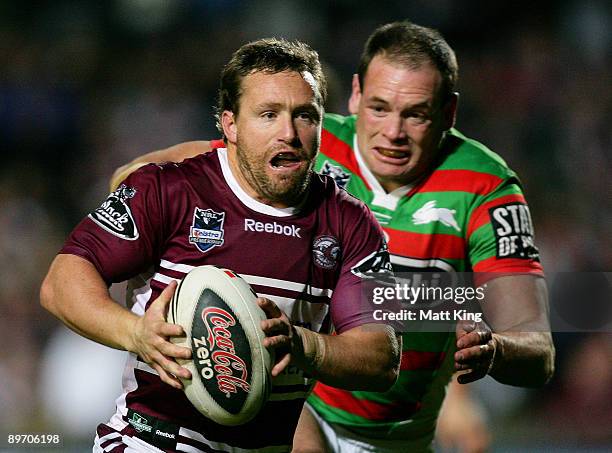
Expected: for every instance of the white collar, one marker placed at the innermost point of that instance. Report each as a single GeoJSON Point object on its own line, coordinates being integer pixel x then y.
{"type": "Point", "coordinates": [245, 198]}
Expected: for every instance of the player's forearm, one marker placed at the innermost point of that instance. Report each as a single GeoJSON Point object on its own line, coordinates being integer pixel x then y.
{"type": "Point", "coordinates": [517, 307]}
{"type": "Point", "coordinates": [523, 359]}
{"type": "Point", "coordinates": [75, 293]}
{"type": "Point", "coordinates": [363, 358]}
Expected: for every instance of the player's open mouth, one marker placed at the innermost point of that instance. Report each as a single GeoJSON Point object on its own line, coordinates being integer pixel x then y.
{"type": "Point", "coordinates": [393, 155]}
{"type": "Point", "coordinates": [286, 159]}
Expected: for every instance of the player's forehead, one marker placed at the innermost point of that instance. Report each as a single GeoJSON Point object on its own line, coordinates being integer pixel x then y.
{"type": "Point", "coordinates": [394, 81]}
{"type": "Point", "coordinates": [261, 87]}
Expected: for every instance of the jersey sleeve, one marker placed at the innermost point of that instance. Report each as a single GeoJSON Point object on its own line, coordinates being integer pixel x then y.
{"type": "Point", "coordinates": [122, 236]}
{"type": "Point", "coordinates": [365, 264]}
{"type": "Point", "coordinates": [500, 234]}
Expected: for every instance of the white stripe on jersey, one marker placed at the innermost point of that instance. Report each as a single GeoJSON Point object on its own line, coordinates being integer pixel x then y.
{"type": "Point", "coordinates": [224, 447]}
{"type": "Point", "coordinates": [98, 441]}
{"type": "Point", "coordinates": [253, 280]}
{"type": "Point", "coordinates": [164, 278]}
{"type": "Point", "coordinates": [421, 263]}
{"type": "Point", "coordinates": [184, 268]}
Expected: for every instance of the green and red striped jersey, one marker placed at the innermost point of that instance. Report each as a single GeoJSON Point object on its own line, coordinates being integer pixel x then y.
{"type": "Point", "coordinates": [468, 214]}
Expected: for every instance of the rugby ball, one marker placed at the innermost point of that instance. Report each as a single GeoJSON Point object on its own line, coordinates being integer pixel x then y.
{"type": "Point", "coordinates": [230, 367]}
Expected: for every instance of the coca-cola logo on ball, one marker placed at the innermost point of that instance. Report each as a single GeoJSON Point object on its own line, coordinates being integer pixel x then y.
{"type": "Point", "coordinates": [222, 354]}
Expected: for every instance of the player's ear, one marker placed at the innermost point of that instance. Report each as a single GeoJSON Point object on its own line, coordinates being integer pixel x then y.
{"type": "Point", "coordinates": [353, 103]}
{"type": "Point", "coordinates": [228, 122]}
{"type": "Point", "coordinates": [450, 110]}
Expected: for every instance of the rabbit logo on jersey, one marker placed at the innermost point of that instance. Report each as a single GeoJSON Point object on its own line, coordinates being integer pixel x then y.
{"type": "Point", "coordinates": [206, 230]}
{"type": "Point", "coordinates": [115, 216]}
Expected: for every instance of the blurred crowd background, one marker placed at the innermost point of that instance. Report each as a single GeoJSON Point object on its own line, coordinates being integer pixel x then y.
{"type": "Point", "coordinates": [86, 86]}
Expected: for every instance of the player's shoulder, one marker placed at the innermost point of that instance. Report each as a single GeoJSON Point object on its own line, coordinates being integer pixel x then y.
{"type": "Point", "coordinates": [339, 126]}
{"type": "Point", "coordinates": [175, 173]}
{"type": "Point", "coordinates": [463, 153]}
{"type": "Point", "coordinates": [340, 200]}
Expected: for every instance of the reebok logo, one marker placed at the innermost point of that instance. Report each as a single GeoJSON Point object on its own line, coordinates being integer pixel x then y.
{"type": "Point", "coordinates": [271, 227]}
{"type": "Point", "coordinates": [168, 435]}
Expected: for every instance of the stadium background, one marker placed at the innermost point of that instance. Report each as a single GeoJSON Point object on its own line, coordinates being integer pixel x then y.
{"type": "Point", "coordinates": [86, 86]}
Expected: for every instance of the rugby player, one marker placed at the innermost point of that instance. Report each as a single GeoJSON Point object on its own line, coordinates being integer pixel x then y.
{"type": "Point", "coordinates": [270, 112]}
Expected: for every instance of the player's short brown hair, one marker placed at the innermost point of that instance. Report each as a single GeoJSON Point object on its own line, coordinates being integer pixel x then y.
{"type": "Point", "coordinates": [266, 55]}
{"type": "Point", "coordinates": [412, 46]}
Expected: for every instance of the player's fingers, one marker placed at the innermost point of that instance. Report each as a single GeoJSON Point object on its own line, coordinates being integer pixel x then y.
{"type": "Point", "coordinates": [468, 340]}
{"type": "Point", "coordinates": [281, 365]}
{"type": "Point", "coordinates": [277, 342]}
{"type": "Point", "coordinates": [166, 377]}
{"type": "Point", "coordinates": [275, 326]}
{"type": "Point", "coordinates": [474, 355]}
{"type": "Point", "coordinates": [160, 305]}
{"type": "Point", "coordinates": [175, 351]}
{"type": "Point", "coordinates": [167, 329]}
{"type": "Point", "coordinates": [463, 327]}
{"type": "Point", "coordinates": [270, 308]}
{"type": "Point", "coordinates": [170, 366]}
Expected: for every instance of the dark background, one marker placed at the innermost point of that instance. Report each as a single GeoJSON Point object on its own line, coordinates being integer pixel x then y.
{"type": "Point", "coordinates": [85, 86]}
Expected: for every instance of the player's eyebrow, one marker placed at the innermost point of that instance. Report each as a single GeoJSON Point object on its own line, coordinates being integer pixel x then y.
{"type": "Point", "coordinates": [280, 105]}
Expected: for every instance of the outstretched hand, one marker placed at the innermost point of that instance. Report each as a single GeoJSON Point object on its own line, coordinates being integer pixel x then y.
{"type": "Point", "coordinates": [476, 347]}
{"type": "Point", "coordinates": [151, 340]}
{"type": "Point", "coordinates": [280, 335]}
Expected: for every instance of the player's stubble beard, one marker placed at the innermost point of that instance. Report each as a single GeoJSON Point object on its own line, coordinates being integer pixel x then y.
{"type": "Point", "coordinates": [289, 190]}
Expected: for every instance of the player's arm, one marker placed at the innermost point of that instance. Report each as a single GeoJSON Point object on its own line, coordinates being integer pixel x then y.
{"type": "Point", "coordinates": [74, 292]}
{"type": "Point", "coordinates": [176, 153]}
{"type": "Point", "coordinates": [365, 357]}
{"type": "Point", "coordinates": [519, 350]}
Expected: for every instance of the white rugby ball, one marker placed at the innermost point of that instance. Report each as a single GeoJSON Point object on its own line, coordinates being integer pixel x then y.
{"type": "Point", "coordinates": [230, 367]}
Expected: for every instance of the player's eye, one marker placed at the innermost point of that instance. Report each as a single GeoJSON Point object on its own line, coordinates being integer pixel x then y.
{"type": "Point", "coordinates": [417, 118]}
{"type": "Point", "coordinates": [378, 109]}
{"type": "Point", "coordinates": [307, 117]}
{"type": "Point", "coordinates": [269, 115]}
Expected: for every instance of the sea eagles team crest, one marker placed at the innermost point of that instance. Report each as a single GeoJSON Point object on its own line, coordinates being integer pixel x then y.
{"type": "Point", "coordinates": [340, 176]}
{"type": "Point", "coordinates": [326, 251]}
{"type": "Point", "coordinates": [206, 230]}
{"type": "Point", "coordinates": [114, 214]}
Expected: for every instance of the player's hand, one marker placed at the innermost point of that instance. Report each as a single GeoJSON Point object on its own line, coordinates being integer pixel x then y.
{"type": "Point", "coordinates": [279, 334]}
{"type": "Point", "coordinates": [475, 350]}
{"type": "Point", "coordinates": [151, 340]}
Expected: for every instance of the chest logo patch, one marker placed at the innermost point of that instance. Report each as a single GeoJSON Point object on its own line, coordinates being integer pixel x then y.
{"type": "Point", "coordinates": [326, 252]}
{"type": "Point", "coordinates": [429, 213]}
{"type": "Point", "coordinates": [115, 216]}
{"type": "Point", "coordinates": [340, 176]}
{"type": "Point", "coordinates": [206, 229]}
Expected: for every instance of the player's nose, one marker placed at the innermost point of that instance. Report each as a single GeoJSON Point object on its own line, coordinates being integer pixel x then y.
{"type": "Point", "coordinates": [394, 128]}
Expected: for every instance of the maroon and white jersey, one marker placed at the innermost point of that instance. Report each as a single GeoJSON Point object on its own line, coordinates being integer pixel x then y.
{"type": "Point", "coordinates": [310, 260]}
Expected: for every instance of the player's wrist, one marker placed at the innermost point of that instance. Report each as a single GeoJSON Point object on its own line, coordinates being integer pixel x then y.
{"type": "Point", "coordinates": [497, 353]}
{"type": "Point", "coordinates": [310, 349]}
